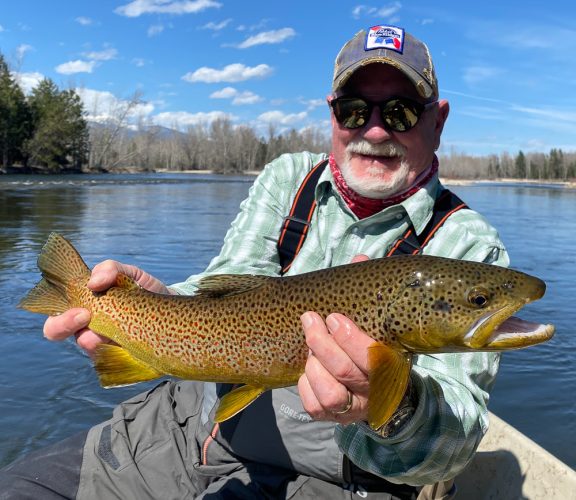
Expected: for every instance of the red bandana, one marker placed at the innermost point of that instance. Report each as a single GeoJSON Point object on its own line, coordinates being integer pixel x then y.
{"type": "Point", "coordinates": [365, 207]}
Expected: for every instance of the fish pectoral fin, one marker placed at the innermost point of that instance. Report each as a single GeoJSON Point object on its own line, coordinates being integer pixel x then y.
{"type": "Point", "coordinates": [389, 373]}
{"type": "Point", "coordinates": [221, 285]}
{"type": "Point", "coordinates": [236, 400]}
{"type": "Point", "coordinates": [116, 366]}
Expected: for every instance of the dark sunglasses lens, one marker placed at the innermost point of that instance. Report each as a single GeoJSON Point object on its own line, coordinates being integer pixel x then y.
{"type": "Point", "coordinates": [400, 114]}
{"type": "Point", "coordinates": [351, 112]}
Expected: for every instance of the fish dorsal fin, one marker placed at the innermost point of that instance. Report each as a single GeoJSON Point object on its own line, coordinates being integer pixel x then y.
{"type": "Point", "coordinates": [389, 372]}
{"type": "Point", "coordinates": [221, 285]}
{"type": "Point", "coordinates": [123, 281]}
{"type": "Point", "coordinates": [236, 400]}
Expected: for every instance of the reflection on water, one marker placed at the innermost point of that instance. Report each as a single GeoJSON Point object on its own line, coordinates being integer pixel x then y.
{"type": "Point", "coordinates": [171, 225]}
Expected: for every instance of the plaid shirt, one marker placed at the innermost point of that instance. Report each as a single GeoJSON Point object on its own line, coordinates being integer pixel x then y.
{"type": "Point", "coordinates": [452, 389]}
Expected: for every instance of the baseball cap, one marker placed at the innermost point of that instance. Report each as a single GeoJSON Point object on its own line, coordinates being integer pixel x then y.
{"type": "Point", "coordinates": [388, 45]}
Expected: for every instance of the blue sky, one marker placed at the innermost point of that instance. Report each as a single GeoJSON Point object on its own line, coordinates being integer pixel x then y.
{"type": "Point", "coordinates": [507, 67]}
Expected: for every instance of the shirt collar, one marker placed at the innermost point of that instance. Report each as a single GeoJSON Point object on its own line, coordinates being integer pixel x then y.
{"type": "Point", "coordinates": [418, 207]}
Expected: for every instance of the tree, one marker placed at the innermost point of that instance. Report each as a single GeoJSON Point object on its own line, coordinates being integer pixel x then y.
{"type": "Point", "coordinates": [14, 118]}
{"type": "Point", "coordinates": [520, 166]}
{"type": "Point", "coordinates": [60, 132]}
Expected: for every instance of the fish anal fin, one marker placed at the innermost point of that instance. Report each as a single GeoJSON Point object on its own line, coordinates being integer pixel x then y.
{"type": "Point", "coordinates": [106, 326]}
{"type": "Point", "coordinates": [236, 400]}
{"type": "Point", "coordinates": [221, 285]}
{"type": "Point", "coordinates": [389, 373]}
{"type": "Point", "coordinates": [116, 367]}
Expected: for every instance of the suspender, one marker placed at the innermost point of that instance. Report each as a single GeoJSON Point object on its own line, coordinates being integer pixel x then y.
{"type": "Point", "coordinates": [296, 224]}
{"type": "Point", "coordinates": [295, 227]}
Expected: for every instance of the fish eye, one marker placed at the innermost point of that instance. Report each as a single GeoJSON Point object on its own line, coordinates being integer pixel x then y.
{"type": "Point", "coordinates": [478, 297]}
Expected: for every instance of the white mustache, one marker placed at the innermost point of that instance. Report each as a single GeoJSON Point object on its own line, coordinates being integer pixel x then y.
{"type": "Point", "coordinates": [364, 147]}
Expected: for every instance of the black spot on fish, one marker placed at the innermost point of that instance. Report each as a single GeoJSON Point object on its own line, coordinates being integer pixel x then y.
{"type": "Point", "coordinates": [442, 306]}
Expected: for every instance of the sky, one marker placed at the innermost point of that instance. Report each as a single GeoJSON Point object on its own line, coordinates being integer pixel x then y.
{"type": "Point", "coordinates": [506, 67]}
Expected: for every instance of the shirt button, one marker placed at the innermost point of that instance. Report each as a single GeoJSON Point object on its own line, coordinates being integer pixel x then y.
{"type": "Point", "coordinates": [399, 216]}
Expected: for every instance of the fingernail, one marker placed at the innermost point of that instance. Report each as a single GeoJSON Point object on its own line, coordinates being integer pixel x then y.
{"type": "Point", "coordinates": [332, 323]}
{"type": "Point", "coordinates": [307, 320]}
{"type": "Point", "coordinates": [82, 318]}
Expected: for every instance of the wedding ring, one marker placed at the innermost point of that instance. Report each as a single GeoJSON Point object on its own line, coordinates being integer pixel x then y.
{"type": "Point", "coordinates": [346, 409]}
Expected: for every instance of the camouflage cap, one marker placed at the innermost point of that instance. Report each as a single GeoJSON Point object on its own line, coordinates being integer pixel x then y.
{"type": "Point", "coordinates": [388, 45]}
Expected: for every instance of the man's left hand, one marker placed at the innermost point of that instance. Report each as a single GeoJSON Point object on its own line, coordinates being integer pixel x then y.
{"type": "Point", "coordinates": [335, 385]}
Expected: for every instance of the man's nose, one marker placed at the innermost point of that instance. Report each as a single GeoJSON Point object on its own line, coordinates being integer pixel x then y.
{"type": "Point", "coordinates": [374, 130]}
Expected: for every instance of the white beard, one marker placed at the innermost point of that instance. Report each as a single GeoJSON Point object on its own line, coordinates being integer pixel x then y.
{"type": "Point", "coordinates": [377, 181]}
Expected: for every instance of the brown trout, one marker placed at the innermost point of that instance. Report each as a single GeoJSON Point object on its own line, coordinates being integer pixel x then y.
{"type": "Point", "coordinates": [246, 329]}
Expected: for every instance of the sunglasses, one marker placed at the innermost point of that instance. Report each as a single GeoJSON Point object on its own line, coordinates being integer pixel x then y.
{"type": "Point", "coordinates": [399, 114]}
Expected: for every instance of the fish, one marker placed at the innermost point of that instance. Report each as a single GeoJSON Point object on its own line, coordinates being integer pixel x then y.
{"type": "Point", "coordinates": [246, 329]}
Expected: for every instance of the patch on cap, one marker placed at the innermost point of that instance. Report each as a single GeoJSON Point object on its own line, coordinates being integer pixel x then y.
{"type": "Point", "coordinates": [385, 37]}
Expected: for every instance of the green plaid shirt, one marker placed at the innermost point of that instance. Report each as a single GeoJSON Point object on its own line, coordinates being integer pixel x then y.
{"type": "Point", "coordinates": [452, 389]}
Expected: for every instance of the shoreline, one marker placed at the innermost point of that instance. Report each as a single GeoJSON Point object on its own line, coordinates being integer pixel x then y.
{"type": "Point", "coordinates": [447, 181]}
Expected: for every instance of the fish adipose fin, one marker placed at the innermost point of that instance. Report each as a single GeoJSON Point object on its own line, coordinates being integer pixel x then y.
{"type": "Point", "coordinates": [236, 400]}
{"type": "Point", "coordinates": [60, 264]}
{"type": "Point", "coordinates": [222, 285]}
{"type": "Point", "coordinates": [389, 373]}
{"type": "Point", "coordinates": [116, 366]}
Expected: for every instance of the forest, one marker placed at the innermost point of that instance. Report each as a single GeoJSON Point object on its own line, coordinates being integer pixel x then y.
{"type": "Point", "coordinates": [47, 132]}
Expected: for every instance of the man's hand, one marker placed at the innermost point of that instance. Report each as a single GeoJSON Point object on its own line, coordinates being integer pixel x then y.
{"type": "Point", "coordinates": [335, 385]}
{"type": "Point", "coordinates": [75, 321]}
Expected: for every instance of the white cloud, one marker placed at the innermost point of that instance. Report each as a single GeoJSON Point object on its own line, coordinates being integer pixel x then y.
{"type": "Point", "coordinates": [154, 30]}
{"type": "Point", "coordinates": [474, 75]}
{"type": "Point", "coordinates": [139, 62]}
{"type": "Point", "coordinates": [238, 98]}
{"type": "Point", "coordinates": [275, 36]}
{"type": "Point", "coordinates": [225, 93]}
{"type": "Point", "coordinates": [28, 81]}
{"type": "Point", "coordinates": [183, 119]}
{"type": "Point", "coordinates": [368, 11]}
{"type": "Point", "coordinates": [1, 28]}
{"type": "Point", "coordinates": [103, 106]}
{"type": "Point", "coordinates": [281, 118]}
{"type": "Point", "coordinates": [102, 55]}
{"type": "Point", "coordinates": [232, 73]}
{"type": "Point", "coordinates": [313, 103]}
{"type": "Point", "coordinates": [22, 49]}
{"type": "Point", "coordinates": [84, 21]}
{"type": "Point", "coordinates": [77, 66]}
{"type": "Point", "coordinates": [216, 26]}
{"type": "Point", "coordinates": [137, 8]}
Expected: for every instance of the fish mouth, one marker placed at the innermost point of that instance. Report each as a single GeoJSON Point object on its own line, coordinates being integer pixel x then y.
{"type": "Point", "coordinates": [499, 331]}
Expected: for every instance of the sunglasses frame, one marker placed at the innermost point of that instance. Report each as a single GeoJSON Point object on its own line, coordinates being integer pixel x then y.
{"type": "Point", "coordinates": [417, 107]}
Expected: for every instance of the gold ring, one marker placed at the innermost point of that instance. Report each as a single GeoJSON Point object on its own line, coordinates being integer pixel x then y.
{"type": "Point", "coordinates": [346, 409]}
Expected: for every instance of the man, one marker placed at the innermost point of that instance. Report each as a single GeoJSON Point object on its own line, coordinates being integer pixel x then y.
{"type": "Point", "coordinates": [311, 440]}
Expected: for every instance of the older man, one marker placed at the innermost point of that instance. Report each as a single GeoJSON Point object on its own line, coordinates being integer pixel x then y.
{"type": "Point", "coordinates": [379, 184]}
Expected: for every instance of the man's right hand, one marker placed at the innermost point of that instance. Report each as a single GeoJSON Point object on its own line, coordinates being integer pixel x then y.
{"type": "Point", "coordinates": [75, 321]}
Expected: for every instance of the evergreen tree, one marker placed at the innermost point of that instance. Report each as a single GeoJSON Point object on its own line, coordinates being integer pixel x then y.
{"type": "Point", "coordinates": [520, 166]}
{"type": "Point", "coordinates": [14, 118]}
{"type": "Point", "coordinates": [60, 137]}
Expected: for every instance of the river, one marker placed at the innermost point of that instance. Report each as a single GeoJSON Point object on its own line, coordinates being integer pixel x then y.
{"type": "Point", "coordinates": [172, 224]}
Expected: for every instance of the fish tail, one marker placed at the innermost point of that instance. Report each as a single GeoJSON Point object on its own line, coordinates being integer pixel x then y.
{"type": "Point", "coordinates": [60, 264]}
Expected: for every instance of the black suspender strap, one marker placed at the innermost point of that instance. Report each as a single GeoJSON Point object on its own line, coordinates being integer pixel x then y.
{"type": "Point", "coordinates": [295, 226]}
{"type": "Point", "coordinates": [411, 243]}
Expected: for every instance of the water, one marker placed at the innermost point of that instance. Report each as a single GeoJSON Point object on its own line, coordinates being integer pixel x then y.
{"type": "Point", "coordinates": [171, 225]}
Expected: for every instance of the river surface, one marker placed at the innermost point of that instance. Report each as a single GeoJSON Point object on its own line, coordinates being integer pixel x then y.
{"type": "Point", "coordinates": [172, 224]}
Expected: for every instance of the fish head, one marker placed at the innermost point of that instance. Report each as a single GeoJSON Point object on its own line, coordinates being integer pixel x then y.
{"type": "Point", "coordinates": [447, 305]}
